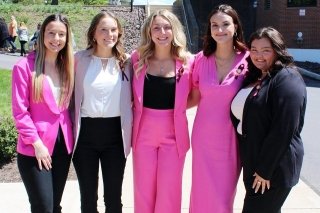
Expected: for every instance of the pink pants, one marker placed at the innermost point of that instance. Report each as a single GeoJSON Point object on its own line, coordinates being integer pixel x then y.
{"type": "Point", "coordinates": [157, 169]}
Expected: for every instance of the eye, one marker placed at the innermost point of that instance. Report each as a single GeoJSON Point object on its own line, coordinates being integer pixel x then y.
{"type": "Point", "coordinates": [214, 25]}
{"type": "Point", "coordinates": [167, 27]}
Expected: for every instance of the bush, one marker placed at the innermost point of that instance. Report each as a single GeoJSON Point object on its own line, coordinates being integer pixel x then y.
{"type": "Point", "coordinates": [8, 138]}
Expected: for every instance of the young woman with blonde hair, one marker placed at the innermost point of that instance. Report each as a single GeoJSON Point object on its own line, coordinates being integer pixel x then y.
{"type": "Point", "coordinates": [162, 67]}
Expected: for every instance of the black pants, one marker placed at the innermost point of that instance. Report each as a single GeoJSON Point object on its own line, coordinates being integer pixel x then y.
{"type": "Point", "coordinates": [23, 50]}
{"type": "Point", "coordinates": [269, 202]}
{"type": "Point", "coordinates": [100, 139]}
{"type": "Point", "coordinates": [45, 188]}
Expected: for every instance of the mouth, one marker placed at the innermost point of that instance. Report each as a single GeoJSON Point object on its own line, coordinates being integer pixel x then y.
{"type": "Point", "coordinates": [163, 39]}
{"type": "Point", "coordinates": [221, 34]}
{"type": "Point", "coordinates": [55, 45]}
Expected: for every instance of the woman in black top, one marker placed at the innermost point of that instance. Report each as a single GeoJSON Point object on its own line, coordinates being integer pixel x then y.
{"type": "Point", "coordinates": [270, 111]}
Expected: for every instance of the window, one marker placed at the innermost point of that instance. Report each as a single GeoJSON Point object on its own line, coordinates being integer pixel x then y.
{"type": "Point", "coordinates": [302, 3]}
{"type": "Point", "coordinates": [267, 4]}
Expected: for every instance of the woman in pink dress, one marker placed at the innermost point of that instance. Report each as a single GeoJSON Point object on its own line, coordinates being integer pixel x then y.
{"type": "Point", "coordinates": [217, 77]}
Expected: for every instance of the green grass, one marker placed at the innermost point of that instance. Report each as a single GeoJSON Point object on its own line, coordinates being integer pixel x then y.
{"type": "Point", "coordinates": [5, 92]}
{"type": "Point", "coordinates": [78, 16]}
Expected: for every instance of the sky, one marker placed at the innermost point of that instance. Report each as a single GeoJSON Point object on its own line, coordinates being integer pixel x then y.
{"type": "Point", "coordinates": [153, 2]}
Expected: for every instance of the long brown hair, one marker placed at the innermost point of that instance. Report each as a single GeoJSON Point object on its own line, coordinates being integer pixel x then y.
{"type": "Point", "coordinates": [117, 49]}
{"type": "Point", "coordinates": [64, 63]}
{"type": "Point", "coordinates": [210, 45]}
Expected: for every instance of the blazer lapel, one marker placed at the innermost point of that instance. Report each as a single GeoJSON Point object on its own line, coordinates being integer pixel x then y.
{"type": "Point", "coordinates": [180, 85]}
{"type": "Point", "coordinates": [139, 84]}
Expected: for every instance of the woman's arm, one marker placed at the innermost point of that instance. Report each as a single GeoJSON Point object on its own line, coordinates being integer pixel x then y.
{"type": "Point", "coordinates": [193, 98]}
{"type": "Point", "coordinates": [21, 81]}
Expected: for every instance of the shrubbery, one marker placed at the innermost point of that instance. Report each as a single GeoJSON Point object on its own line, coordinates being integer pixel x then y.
{"type": "Point", "coordinates": [8, 138]}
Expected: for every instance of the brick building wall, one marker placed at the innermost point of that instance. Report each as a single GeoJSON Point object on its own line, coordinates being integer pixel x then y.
{"type": "Point", "coordinates": [289, 22]}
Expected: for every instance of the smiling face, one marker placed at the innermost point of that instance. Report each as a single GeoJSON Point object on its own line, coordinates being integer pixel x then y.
{"type": "Point", "coordinates": [222, 27]}
{"type": "Point", "coordinates": [262, 54]}
{"type": "Point", "coordinates": [106, 33]}
{"type": "Point", "coordinates": [55, 37]}
{"type": "Point", "coordinates": [161, 32]}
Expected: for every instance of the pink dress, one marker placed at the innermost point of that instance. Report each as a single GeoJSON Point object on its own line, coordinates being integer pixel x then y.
{"type": "Point", "coordinates": [215, 160]}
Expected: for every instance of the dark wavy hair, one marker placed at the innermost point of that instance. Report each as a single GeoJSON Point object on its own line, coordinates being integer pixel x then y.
{"type": "Point", "coordinates": [283, 59]}
{"type": "Point", "coordinates": [210, 45]}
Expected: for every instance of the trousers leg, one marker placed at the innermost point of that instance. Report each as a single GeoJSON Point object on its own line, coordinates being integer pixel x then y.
{"type": "Point", "coordinates": [60, 169]}
{"type": "Point", "coordinates": [169, 179]}
{"type": "Point", "coordinates": [144, 179]}
{"type": "Point", "coordinates": [86, 164]}
{"type": "Point", "coordinates": [38, 184]}
{"type": "Point", "coordinates": [113, 164]}
{"type": "Point", "coordinates": [270, 201]}
{"type": "Point", "coordinates": [23, 50]}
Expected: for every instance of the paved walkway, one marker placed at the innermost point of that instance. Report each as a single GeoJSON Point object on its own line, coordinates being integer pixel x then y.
{"type": "Point", "coordinates": [13, 198]}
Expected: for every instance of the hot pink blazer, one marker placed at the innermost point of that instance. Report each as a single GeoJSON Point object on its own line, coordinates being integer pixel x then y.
{"type": "Point", "coordinates": [37, 120]}
{"type": "Point", "coordinates": [183, 87]}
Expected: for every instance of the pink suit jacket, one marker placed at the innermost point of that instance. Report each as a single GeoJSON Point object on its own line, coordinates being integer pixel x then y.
{"type": "Point", "coordinates": [37, 120]}
{"type": "Point", "coordinates": [183, 87]}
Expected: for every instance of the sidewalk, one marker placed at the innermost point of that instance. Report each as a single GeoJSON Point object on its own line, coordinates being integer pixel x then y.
{"type": "Point", "coordinates": [13, 197]}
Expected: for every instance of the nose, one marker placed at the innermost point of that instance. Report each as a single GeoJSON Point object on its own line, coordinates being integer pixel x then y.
{"type": "Point", "coordinates": [163, 30]}
{"type": "Point", "coordinates": [56, 36]}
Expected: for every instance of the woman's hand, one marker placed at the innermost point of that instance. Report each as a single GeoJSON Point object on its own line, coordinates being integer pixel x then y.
{"type": "Point", "coordinates": [260, 182]}
{"type": "Point", "coordinates": [42, 155]}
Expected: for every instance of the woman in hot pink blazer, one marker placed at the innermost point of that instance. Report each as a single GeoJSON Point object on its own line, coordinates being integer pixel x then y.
{"type": "Point", "coordinates": [42, 84]}
{"type": "Point", "coordinates": [160, 140]}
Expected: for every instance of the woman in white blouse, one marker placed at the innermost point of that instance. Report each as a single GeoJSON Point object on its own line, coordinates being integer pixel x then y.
{"type": "Point", "coordinates": [103, 116]}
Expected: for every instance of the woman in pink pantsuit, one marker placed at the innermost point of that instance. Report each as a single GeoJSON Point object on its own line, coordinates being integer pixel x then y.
{"type": "Point", "coordinates": [160, 139]}
{"type": "Point", "coordinates": [217, 77]}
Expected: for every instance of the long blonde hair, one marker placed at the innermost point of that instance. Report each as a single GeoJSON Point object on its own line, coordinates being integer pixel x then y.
{"type": "Point", "coordinates": [146, 48]}
{"type": "Point", "coordinates": [64, 63]}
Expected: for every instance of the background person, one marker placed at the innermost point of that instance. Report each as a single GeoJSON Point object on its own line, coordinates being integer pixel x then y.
{"type": "Point", "coordinates": [13, 28]}
{"type": "Point", "coordinates": [42, 84]}
{"type": "Point", "coordinates": [161, 85]}
{"type": "Point", "coordinates": [218, 74]}
{"type": "Point", "coordinates": [23, 38]}
{"type": "Point", "coordinates": [4, 34]}
{"type": "Point", "coordinates": [103, 114]}
{"type": "Point", "coordinates": [270, 108]}
{"type": "Point", "coordinates": [34, 38]}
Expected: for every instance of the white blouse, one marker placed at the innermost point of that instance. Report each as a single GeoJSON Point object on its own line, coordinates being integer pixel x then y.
{"type": "Point", "coordinates": [237, 105]}
{"type": "Point", "coordinates": [55, 90]}
{"type": "Point", "coordinates": [102, 89]}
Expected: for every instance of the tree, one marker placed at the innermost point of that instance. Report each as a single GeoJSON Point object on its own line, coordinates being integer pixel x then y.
{"type": "Point", "coordinates": [54, 2]}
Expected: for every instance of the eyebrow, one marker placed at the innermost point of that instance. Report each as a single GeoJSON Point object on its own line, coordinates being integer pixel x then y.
{"type": "Point", "coordinates": [253, 47]}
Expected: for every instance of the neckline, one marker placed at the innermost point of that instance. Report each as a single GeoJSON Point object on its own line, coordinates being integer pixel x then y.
{"type": "Point", "coordinates": [162, 77]}
{"type": "Point", "coordinates": [234, 63]}
{"type": "Point", "coordinates": [102, 58]}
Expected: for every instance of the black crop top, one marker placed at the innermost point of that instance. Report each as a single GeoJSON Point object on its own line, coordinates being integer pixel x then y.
{"type": "Point", "coordinates": [159, 92]}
